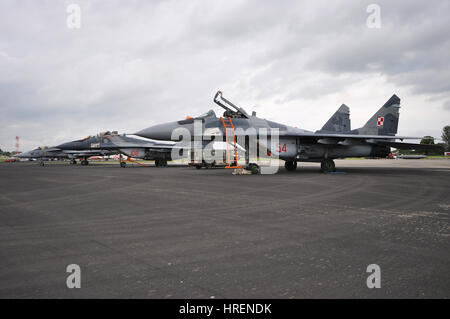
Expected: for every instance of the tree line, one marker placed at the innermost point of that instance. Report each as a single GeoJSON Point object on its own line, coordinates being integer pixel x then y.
{"type": "Point", "coordinates": [440, 147]}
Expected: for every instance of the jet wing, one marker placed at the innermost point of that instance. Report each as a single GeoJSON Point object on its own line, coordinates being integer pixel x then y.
{"type": "Point", "coordinates": [118, 142]}
{"type": "Point", "coordinates": [345, 136]}
{"type": "Point", "coordinates": [349, 139]}
{"type": "Point", "coordinates": [408, 146]}
{"type": "Point", "coordinates": [84, 153]}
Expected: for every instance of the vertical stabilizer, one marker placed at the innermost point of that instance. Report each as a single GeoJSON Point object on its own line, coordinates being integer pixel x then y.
{"type": "Point", "coordinates": [384, 121]}
{"type": "Point", "coordinates": [339, 122]}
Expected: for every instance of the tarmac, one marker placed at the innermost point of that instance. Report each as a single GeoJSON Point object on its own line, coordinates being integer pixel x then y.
{"type": "Point", "coordinates": [179, 232]}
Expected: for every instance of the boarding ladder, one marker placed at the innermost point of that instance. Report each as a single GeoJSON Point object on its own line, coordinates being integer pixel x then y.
{"type": "Point", "coordinates": [230, 139]}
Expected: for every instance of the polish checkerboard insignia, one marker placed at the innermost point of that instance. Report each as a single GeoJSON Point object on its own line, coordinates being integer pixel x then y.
{"type": "Point", "coordinates": [380, 121]}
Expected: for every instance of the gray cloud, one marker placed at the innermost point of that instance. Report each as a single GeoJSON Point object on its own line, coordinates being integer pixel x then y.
{"type": "Point", "coordinates": [136, 63]}
{"type": "Point", "coordinates": [446, 105]}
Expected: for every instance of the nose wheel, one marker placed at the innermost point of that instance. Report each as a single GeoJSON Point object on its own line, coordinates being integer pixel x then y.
{"type": "Point", "coordinates": [327, 166]}
{"type": "Point", "coordinates": [254, 168]}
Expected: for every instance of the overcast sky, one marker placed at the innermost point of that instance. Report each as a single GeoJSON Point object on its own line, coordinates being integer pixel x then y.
{"type": "Point", "coordinates": [133, 64]}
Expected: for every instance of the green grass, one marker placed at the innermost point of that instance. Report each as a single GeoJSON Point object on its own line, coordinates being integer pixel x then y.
{"type": "Point", "coordinates": [435, 156]}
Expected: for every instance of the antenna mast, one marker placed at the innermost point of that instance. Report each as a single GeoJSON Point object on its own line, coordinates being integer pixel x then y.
{"type": "Point", "coordinates": [17, 145]}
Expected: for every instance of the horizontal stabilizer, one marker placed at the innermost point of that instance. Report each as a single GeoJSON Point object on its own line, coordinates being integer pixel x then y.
{"type": "Point", "coordinates": [410, 146]}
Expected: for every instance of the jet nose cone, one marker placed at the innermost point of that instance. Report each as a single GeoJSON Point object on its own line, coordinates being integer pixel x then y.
{"type": "Point", "coordinates": [160, 131]}
{"type": "Point", "coordinates": [22, 155]}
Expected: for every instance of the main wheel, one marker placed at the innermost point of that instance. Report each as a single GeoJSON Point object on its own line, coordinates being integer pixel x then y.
{"type": "Point", "coordinates": [327, 166]}
{"type": "Point", "coordinates": [84, 162]}
{"type": "Point", "coordinates": [74, 162]}
{"type": "Point", "coordinates": [198, 166]}
{"type": "Point", "coordinates": [290, 165]}
{"type": "Point", "coordinates": [123, 164]}
{"type": "Point", "coordinates": [254, 168]}
{"type": "Point", "coordinates": [162, 163]}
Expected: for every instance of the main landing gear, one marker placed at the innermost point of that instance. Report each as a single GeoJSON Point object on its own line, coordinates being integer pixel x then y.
{"type": "Point", "coordinates": [160, 163]}
{"type": "Point", "coordinates": [327, 166]}
{"type": "Point", "coordinates": [84, 162]}
{"type": "Point", "coordinates": [290, 165]}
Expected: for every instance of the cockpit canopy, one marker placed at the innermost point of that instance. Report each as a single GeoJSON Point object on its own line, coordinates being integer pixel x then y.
{"type": "Point", "coordinates": [107, 133]}
{"type": "Point", "coordinates": [210, 113]}
{"type": "Point", "coordinates": [101, 134]}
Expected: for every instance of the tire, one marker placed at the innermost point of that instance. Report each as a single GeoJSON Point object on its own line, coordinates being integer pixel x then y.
{"type": "Point", "coordinates": [327, 166]}
{"type": "Point", "coordinates": [157, 162]}
{"type": "Point", "coordinates": [290, 165]}
{"type": "Point", "coordinates": [162, 163]}
{"type": "Point", "coordinates": [198, 166]}
{"type": "Point", "coordinates": [123, 164]}
{"type": "Point", "coordinates": [254, 168]}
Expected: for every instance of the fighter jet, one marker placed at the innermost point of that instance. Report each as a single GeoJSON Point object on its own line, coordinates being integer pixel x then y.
{"type": "Point", "coordinates": [122, 144]}
{"type": "Point", "coordinates": [45, 152]}
{"type": "Point", "coordinates": [41, 153]}
{"type": "Point", "coordinates": [334, 140]}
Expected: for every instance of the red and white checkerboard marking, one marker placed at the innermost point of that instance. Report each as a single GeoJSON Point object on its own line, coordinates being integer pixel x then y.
{"type": "Point", "coordinates": [380, 121]}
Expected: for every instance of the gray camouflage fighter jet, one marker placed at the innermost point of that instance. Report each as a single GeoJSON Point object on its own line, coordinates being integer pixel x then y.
{"type": "Point", "coordinates": [41, 153]}
{"type": "Point", "coordinates": [112, 142]}
{"type": "Point", "coordinates": [45, 152]}
{"type": "Point", "coordinates": [334, 140]}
